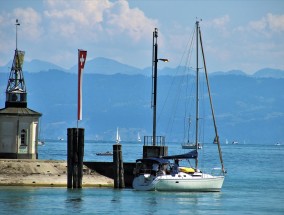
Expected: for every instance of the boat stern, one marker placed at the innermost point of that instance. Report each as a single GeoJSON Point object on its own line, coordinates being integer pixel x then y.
{"type": "Point", "coordinates": [144, 182]}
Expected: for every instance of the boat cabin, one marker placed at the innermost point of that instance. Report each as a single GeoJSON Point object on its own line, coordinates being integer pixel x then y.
{"type": "Point", "coordinates": [163, 166]}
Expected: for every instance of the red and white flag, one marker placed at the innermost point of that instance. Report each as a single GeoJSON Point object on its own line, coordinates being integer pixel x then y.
{"type": "Point", "coordinates": [82, 55]}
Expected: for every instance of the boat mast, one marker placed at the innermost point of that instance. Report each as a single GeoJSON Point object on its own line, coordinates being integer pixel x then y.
{"type": "Point", "coordinates": [197, 95]}
{"type": "Point", "coordinates": [154, 80]}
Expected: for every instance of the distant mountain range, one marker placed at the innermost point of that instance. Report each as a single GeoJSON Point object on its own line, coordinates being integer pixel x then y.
{"type": "Point", "coordinates": [107, 66]}
{"type": "Point", "coordinates": [249, 108]}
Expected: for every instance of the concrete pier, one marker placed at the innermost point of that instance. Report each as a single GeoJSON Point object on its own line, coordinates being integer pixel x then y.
{"type": "Point", "coordinates": [46, 173]}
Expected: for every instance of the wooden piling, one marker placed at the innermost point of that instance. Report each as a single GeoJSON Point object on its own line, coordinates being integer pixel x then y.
{"type": "Point", "coordinates": [75, 159]}
{"type": "Point", "coordinates": [118, 167]}
{"type": "Point", "coordinates": [80, 156]}
{"type": "Point", "coordinates": [69, 158]}
{"type": "Point", "coordinates": [75, 154]}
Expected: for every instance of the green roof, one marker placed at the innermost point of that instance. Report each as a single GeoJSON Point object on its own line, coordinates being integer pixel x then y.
{"type": "Point", "coordinates": [19, 111]}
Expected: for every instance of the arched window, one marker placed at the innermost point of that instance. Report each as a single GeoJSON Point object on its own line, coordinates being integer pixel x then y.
{"type": "Point", "coordinates": [23, 137]}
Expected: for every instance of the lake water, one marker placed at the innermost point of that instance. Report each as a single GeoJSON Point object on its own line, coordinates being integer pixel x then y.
{"type": "Point", "coordinates": [254, 184]}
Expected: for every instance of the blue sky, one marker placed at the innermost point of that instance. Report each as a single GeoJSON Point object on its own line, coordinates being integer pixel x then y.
{"type": "Point", "coordinates": [237, 34]}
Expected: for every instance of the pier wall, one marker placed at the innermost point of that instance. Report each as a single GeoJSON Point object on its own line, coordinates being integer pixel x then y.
{"type": "Point", "coordinates": [107, 169]}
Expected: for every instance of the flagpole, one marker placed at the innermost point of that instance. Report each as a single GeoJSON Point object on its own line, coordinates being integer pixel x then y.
{"type": "Point", "coordinates": [82, 56]}
{"type": "Point", "coordinates": [75, 142]}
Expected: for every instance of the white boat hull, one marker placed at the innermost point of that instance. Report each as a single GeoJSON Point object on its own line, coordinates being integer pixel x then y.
{"type": "Point", "coordinates": [179, 183]}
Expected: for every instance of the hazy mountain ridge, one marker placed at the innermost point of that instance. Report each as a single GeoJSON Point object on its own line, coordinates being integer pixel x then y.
{"type": "Point", "coordinates": [247, 108]}
{"type": "Point", "coordinates": [101, 65]}
{"type": "Point", "coordinates": [118, 95]}
{"type": "Point", "coordinates": [269, 73]}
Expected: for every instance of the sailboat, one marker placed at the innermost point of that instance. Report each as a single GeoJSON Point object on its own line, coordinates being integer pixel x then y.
{"type": "Point", "coordinates": [117, 137]}
{"type": "Point", "coordinates": [165, 173]}
{"type": "Point", "coordinates": [40, 142]}
{"type": "Point", "coordinates": [188, 144]}
{"type": "Point", "coordinates": [138, 137]}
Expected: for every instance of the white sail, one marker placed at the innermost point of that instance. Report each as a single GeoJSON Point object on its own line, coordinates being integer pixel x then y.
{"type": "Point", "coordinates": [139, 138]}
{"type": "Point", "coordinates": [117, 137]}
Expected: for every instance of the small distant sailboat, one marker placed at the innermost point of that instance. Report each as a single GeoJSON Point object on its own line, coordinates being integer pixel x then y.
{"type": "Point", "coordinates": [188, 144]}
{"type": "Point", "coordinates": [227, 142]}
{"type": "Point", "coordinates": [117, 137]}
{"type": "Point", "coordinates": [40, 142]}
{"type": "Point", "coordinates": [138, 137]}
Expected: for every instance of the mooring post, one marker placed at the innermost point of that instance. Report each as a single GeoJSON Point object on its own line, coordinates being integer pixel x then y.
{"type": "Point", "coordinates": [75, 158]}
{"type": "Point", "coordinates": [75, 155]}
{"type": "Point", "coordinates": [118, 167]}
{"type": "Point", "coordinates": [69, 157]}
{"type": "Point", "coordinates": [80, 156]}
{"type": "Point", "coordinates": [121, 170]}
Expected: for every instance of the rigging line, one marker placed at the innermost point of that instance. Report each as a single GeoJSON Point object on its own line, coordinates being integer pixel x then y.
{"type": "Point", "coordinates": [187, 104]}
{"type": "Point", "coordinates": [188, 107]}
{"type": "Point", "coordinates": [211, 104]}
{"type": "Point", "coordinates": [186, 125]}
{"type": "Point", "coordinates": [175, 106]}
{"type": "Point", "coordinates": [185, 81]}
{"type": "Point", "coordinates": [187, 56]}
{"type": "Point", "coordinates": [177, 71]}
{"type": "Point", "coordinates": [201, 99]}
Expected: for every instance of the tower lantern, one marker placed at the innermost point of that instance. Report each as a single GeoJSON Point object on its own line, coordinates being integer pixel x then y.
{"type": "Point", "coordinates": [16, 95]}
